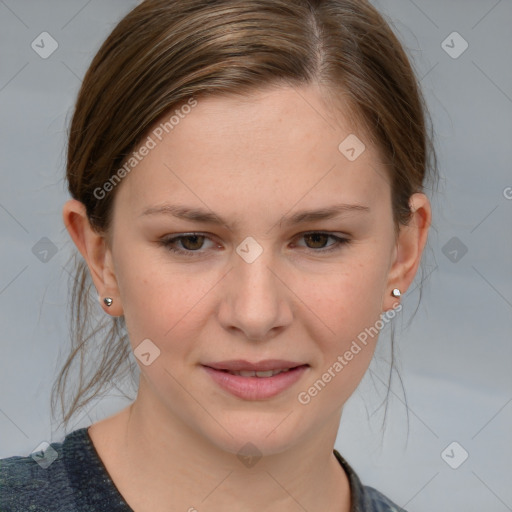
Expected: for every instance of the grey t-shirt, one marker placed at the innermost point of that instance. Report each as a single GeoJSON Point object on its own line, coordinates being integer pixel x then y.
{"type": "Point", "coordinates": [73, 478]}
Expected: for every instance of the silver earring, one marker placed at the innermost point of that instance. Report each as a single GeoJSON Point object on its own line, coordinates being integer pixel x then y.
{"type": "Point", "coordinates": [108, 301]}
{"type": "Point", "coordinates": [396, 292]}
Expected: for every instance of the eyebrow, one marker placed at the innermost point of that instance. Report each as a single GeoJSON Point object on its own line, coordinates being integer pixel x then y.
{"type": "Point", "coordinates": [207, 217]}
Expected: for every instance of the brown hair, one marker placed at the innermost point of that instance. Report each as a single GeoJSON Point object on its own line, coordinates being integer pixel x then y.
{"type": "Point", "coordinates": [164, 52]}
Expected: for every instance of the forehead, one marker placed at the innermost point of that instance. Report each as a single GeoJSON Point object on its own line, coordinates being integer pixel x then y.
{"type": "Point", "coordinates": [274, 145]}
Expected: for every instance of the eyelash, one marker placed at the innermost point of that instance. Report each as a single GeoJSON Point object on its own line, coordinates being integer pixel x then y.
{"type": "Point", "coordinates": [168, 243]}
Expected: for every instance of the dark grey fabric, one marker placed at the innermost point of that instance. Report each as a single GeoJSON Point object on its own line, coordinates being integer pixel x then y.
{"type": "Point", "coordinates": [77, 481]}
{"type": "Point", "coordinates": [364, 497]}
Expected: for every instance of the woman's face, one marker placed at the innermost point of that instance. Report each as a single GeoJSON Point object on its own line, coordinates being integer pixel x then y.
{"type": "Point", "coordinates": [254, 286]}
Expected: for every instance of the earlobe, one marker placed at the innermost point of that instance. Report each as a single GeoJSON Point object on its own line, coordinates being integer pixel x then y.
{"type": "Point", "coordinates": [93, 248]}
{"type": "Point", "coordinates": [411, 241]}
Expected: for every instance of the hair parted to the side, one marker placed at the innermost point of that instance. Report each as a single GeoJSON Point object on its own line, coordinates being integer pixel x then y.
{"type": "Point", "coordinates": [165, 52]}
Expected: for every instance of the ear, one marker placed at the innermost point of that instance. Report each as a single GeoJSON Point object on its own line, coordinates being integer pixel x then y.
{"type": "Point", "coordinates": [410, 243]}
{"type": "Point", "coordinates": [96, 253]}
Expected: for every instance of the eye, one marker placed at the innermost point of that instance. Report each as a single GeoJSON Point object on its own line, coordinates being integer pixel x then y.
{"type": "Point", "coordinates": [318, 239]}
{"type": "Point", "coordinates": [191, 243]}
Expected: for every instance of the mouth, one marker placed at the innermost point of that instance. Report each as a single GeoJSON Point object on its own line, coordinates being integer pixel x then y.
{"type": "Point", "coordinates": [258, 369]}
{"type": "Point", "coordinates": [261, 374]}
{"type": "Point", "coordinates": [256, 381]}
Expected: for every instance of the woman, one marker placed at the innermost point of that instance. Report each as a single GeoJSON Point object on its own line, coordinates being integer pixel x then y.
{"type": "Point", "coordinates": [247, 194]}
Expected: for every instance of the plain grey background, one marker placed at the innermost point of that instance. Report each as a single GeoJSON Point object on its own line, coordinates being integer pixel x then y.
{"type": "Point", "coordinates": [454, 358]}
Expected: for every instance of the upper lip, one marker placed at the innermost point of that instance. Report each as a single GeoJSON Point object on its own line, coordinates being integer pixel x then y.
{"type": "Point", "coordinates": [242, 365]}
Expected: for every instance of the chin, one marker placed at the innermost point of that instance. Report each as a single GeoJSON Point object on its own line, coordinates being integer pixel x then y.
{"type": "Point", "coordinates": [268, 434]}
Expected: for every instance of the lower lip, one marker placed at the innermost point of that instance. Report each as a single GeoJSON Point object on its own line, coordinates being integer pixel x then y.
{"type": "Point", "coordinates": [256, 388]}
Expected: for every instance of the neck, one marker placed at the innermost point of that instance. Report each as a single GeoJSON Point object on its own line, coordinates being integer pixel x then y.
{"type": "Point", "coordinates": [158, 463]}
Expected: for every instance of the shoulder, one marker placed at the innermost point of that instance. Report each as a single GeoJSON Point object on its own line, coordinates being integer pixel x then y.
{"type": "Point", "coordinates": [37, 482]}
{"type": "Point", "coordinates": [375, 501]}
{"type": "Point", "coordinates": [364, 497]}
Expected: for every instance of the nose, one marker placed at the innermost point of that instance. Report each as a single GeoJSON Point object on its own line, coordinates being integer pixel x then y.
{"type": "Point", "coordinates": [255, 299]}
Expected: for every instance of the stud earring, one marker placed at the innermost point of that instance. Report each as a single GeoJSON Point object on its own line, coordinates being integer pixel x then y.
{"type": "Point", "coordinates": [108, 301]}
{"type": "Point", "coordinates": [396, 292]}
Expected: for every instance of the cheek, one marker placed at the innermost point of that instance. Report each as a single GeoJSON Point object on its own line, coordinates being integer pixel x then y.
{"type": "Point", "coordinates": [347, 307]}
{"type": "Point", "coordinates": [344, 300]}
{"type": "Point", "coordinates": [345, 338]}
{"type": "Point", "coordinates": [158, 302]}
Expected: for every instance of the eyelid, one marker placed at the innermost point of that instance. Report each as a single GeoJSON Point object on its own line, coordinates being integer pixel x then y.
{"type": "Point", "coordinates": [167, 240]}
{"type": "Point", "coordinates": [340, 240]}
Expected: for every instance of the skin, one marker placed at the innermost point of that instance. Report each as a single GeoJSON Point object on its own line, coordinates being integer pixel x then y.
{"type": "Point", "coordinates": [253, 161]}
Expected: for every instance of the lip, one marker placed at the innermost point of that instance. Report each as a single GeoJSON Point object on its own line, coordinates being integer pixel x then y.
{"type": "Point", "coordinates": [236, 365]}
{"type": "Point", "coordinates": [256, 388]}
